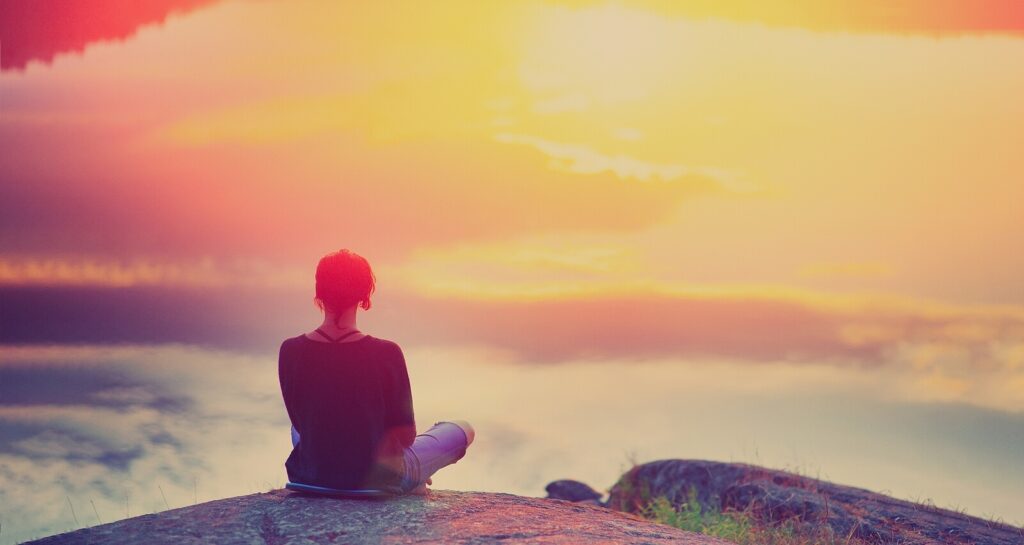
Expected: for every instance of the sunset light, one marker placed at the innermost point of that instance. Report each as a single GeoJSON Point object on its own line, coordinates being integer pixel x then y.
{"type": "Point", "coordinates": [786, 233]}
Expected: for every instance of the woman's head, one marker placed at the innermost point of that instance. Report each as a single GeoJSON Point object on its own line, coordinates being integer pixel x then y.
{"type": "Point", "coordinates": [343, 279]}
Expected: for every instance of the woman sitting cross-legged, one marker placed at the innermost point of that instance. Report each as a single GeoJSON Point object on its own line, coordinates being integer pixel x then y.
{"type": "Point", "coordinates": [349, 399]}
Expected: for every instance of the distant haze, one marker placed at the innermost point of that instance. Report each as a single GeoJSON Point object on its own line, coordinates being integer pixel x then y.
{"type": "Point", "coordinates": [602, 232]}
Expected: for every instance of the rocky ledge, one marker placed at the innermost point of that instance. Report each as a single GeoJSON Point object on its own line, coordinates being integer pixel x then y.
{"type": "Point", "coordinates": [573, 513]}
{"type": "Point", "coordinates": [773, 497]}
{"type": "Point", "coordinates": [283, 517]}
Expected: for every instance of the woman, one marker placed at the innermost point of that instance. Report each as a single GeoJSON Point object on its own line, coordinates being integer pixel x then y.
{"type": "Point", "coordinates": [348, 397]}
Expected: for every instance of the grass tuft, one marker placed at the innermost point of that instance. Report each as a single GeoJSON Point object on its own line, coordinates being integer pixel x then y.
{"type": "Point", "coordinates": [740, 526]}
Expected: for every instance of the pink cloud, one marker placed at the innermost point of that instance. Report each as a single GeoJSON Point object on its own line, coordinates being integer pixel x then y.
{"type": "Point", "coordinates": [39, 31]}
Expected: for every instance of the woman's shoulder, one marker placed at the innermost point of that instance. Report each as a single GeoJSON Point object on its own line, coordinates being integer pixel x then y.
{"type": "Point", "coordinates": [289, 348]}
{"type": "Point", "coordinates": [384, 345]}
{"type": "Point", "coordinates": [292, 341]}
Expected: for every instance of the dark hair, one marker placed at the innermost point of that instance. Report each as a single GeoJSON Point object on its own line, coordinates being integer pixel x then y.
{"type": "Point", "coordinates": [343, 279]}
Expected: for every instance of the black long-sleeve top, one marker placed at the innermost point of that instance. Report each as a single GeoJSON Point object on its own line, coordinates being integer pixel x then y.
{"type": "Point", "coordinates": [352, 406]}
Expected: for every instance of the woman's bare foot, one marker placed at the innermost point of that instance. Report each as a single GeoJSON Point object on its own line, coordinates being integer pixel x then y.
{"type": "Point", "coordinates": [467, 428]}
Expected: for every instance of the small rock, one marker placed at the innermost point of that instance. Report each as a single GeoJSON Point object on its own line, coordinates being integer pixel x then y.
{"type": "Point", "coordinates": [575, 491]}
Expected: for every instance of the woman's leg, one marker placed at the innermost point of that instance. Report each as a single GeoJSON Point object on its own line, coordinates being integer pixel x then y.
{"type": "Point", "coordinates": [443, 444]}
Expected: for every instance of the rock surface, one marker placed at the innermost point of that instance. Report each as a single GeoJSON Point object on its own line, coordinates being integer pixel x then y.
{"type": "Point", "coordinates": [774, 496]}
{"type": "Point", "coordinates": [282, 517]}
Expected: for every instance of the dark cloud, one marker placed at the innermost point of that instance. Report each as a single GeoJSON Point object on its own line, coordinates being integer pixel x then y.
{"type": "Point", "coordinates": [209, 317]}
{"type": "Point", "coordinates": [39, 31]}
{"type": "Point", "coordinates": [630, 327]}
{"type": "Point", "coordinates": [548, 331]}
{"type": "Point", "coordinates": [74, 385]}
{"type": "Point", "coordinates": [747, 328]}
{"type": "Point", "coordinates": [58, 383]}
{"type": "Point", "coordinates": [51, 440]}
{"type": "Point", "coordinates": [112, 424]}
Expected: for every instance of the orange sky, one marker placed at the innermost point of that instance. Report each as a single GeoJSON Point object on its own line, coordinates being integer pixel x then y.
{"type": "Point", "coordinates": [779, 232]}
{"type": "Point", "coordinates": [854, 166]}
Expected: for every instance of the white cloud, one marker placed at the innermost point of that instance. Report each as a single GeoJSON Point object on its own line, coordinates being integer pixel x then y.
{"type": "Point", "coordinates": [584, 160]}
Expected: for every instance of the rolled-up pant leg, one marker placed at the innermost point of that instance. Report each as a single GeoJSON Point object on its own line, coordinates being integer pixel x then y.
{"type": "Point", "coordinates": [443, 444]}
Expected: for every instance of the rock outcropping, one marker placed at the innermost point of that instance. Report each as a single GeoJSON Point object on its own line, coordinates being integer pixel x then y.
{"type": "Point", "coordinates": [774, 496]}
{"type": "Point", "coordinates": [282, 518]}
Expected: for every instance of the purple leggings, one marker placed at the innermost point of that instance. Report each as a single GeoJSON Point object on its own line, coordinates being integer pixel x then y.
{"type": "Point", "coordinates": [442, 445]}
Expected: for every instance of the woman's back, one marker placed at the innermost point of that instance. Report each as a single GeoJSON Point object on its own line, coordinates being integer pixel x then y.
{"type": "Point", "coordinates": [352, 406]}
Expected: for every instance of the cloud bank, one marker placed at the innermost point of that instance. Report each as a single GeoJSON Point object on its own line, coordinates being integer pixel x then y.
{"type": "Point", "coordinates": [39, 31]}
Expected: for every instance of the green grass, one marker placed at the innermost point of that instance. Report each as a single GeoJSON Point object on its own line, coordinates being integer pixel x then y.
{"type": "Point", "coordinates": [739, 527]}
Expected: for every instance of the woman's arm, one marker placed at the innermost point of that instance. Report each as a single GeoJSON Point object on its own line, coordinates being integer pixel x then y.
{"type": "Point", "coordinates": [284, 377]}
{"type": "Point", "coordinates": [400, 421]}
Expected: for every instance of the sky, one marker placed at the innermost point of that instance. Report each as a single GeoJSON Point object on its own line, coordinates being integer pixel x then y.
{"type": "Point", "coordinates": [808, 210]}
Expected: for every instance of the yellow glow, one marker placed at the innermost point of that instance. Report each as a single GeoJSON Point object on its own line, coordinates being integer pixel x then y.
{"type": "Point", "coordinates": [112, 273]}
{"type": "Point", "coordinates": [672, 206]}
